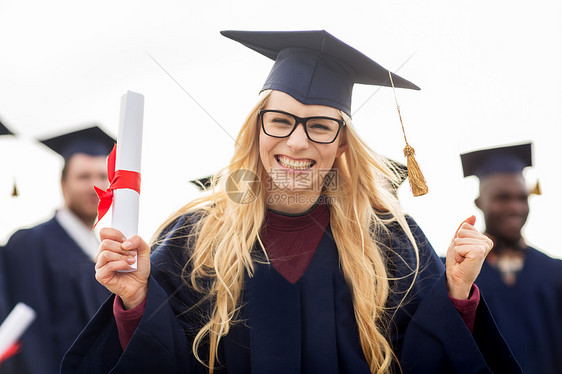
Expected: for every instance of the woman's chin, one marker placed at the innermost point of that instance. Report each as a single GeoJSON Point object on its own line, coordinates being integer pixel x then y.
{"type": "Point", "coordinates": [292, 189]}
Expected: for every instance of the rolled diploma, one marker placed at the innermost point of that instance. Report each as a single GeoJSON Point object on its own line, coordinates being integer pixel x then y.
{"type": "Point", "coordinates": [125, 213]}
{"type": "Point", "coordinates": [15, 325]}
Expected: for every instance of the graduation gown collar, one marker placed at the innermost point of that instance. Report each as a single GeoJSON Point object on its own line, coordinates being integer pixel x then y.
{"type": "Point", "coordinates": [291, 241]}
{"type": "Point", "coordinates": [297, 221]}
{"type": "Point", "coordinates": [84, 237]}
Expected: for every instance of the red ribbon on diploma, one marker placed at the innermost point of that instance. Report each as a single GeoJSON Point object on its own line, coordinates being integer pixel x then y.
{"type": "Point", "coordinates": [120, 179]}
{"type": "Point", "coordinates": [12, 350]}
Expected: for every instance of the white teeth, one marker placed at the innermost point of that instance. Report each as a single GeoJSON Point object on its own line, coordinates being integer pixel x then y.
{"type": "Point", "coordinates": [293, 164]}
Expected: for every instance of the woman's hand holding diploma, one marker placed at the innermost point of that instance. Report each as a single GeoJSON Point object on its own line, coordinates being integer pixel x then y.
{"type": "Point", "coordinates": [115, 255]}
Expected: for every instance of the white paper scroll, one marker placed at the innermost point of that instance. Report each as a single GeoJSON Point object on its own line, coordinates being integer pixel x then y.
{"type": "Point", "coordinates": [125, 213]}
{"type": "Point", "coordinates": [15, 325]}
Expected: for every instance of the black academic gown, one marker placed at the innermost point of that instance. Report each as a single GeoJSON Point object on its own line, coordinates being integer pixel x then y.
{"type": "Point", "coordinates": [529, 313]}
{"type": "Point", "coordinates": [47, 270]}
{"type": "Point", "coordinates": [3, 297]}
{"type": "Point", "coordinates": [307, 327]}
{"type": "Point", "coordinates": [6, 367]}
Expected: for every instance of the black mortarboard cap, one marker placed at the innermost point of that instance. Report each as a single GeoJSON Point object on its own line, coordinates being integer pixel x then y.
{"type": "Point", "coordinates": [508, 159]}
{"type": "Point", "coordinates": [400, 170]}
{"type": "Point", "coordinates": [91, 141]}
{"type": "Point", "coordinates": [314, 67]}
{"type": "Point", "coordinates": [203, 183]}
{"type": "Point", "coordinates": [4, 130]}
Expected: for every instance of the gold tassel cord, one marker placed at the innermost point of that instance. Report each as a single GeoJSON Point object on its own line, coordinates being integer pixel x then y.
{"type": "Point", "coordinates": [415, 176]}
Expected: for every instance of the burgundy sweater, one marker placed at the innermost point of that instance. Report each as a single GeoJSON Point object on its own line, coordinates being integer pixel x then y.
{"type": "Point", "coordinates": [290, 241]}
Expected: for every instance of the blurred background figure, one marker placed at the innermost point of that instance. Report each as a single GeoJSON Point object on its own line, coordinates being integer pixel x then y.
{"type": "Point", "coordinates": [202, 184]}
{"type": "Point", "coordinates": [401, 172]}
{"type": "Point", "coordinates": [4, 131]}
{"type": "Point", "coordinates": [50, 267]}
{"type": "Point", "coordinates": [523, 286]}
{"type": "Point", "coordinates": [3, 302]}
{"type": "Point", "coordinates": [4, 310]}
{"type": "Point", "coordinates": [5, 365]}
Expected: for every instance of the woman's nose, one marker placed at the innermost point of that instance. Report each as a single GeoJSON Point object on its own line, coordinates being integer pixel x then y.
{"type": "Point", "coordinates": [298, 139]}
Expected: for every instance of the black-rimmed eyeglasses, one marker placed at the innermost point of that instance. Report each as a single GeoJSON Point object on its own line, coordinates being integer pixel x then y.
{"type": "Point", "coordinates": [279, 124]}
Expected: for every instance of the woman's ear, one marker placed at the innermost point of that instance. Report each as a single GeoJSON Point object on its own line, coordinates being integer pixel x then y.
{"type": "Point", "coordinates": [342, 147]}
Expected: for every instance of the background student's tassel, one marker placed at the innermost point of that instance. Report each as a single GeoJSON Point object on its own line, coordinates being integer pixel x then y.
{"type": "Point", "coordinates": [15, 192]}
{"type": "Point", "coordinates": [536, 190]}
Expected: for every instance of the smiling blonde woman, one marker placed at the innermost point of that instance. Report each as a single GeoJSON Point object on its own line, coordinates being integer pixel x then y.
{"type": "Point", "coordinates": [312, 268]}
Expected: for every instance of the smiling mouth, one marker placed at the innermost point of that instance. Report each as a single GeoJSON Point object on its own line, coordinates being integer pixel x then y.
{"type": "Point", "coordinates": [515, 220]}
{"type": "Point", "coordinates": [290, 163]}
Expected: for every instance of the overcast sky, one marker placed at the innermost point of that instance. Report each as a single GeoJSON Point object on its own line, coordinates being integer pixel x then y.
{"type": "Point", "coordinates": [489, 72]}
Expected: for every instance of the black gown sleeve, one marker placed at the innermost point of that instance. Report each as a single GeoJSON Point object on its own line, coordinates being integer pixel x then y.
{"type": "Point", "coordinates": [27, 281]}
{"type": "Point", "coordinates": [161, 343]}
{"type": "Point", "coordinates": [428, 334]}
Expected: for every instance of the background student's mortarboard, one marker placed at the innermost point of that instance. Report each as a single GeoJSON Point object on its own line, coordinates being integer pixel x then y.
{"type": "Point", "coordinates": [401, 173]}
{"type": "Point", "coordinates": [5, 131]}
{"type": "Point", "coordinates": [505, 159]}
{"type": "Point", "coordinates": [400, 170]}
{"type": "Point", "coordinates": [202, 183]}
{"type": "Point", "coordinates": [92, 141]}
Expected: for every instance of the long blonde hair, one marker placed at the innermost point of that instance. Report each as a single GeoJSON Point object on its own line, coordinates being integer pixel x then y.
{"type": "Point", "coordinates": [223, 240]}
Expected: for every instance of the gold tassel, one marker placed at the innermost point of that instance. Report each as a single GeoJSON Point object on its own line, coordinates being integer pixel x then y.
{"type": "Point", "coordinates": [417, 180]}
{"type": "Point", "coordinates": [536, 190]}
{"type": "Point", "coordinates": [15, 190]}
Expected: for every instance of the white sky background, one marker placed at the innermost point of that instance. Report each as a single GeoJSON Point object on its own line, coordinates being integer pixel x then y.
{"type": "Point", "coordinates": [489, 72]}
